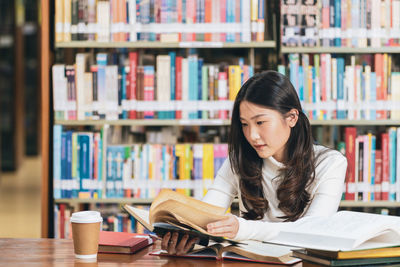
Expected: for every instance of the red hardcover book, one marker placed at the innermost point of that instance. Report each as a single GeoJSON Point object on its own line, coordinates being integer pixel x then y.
{"type": "Point", "coordinates": [133, 62]}
{"type": "Point", "coordinates": [178, 84]}
{"type": "Point", "coordinates": [179, 16]}
{"type": "Point", "coordinates": [378, 175]}
{"type": "Point", "coordinates": [122, 242]}
{"type": "Point", "coordinates": [222, 18]}
{"type": "Point", "coordinates": [140, 89]}
{"type": "Point", "coordinates": [380, 89]}
{"type": "Point", "coordinates": [208, 18]}
{"type": "Point", "coordinates": [385, 166]}
{"type": "Point", "coordinates": [122, 36]}
{"type": "Point", "coordinates": [114, 19]}
{"type": "Point", "coordinates": [62, 220]}
{"type": "Point", "coordinates": [350, 134]}
{"type": "Point", "coordinates": [191, 19]}
{"type": "Point", "coordinates": [96, 140]}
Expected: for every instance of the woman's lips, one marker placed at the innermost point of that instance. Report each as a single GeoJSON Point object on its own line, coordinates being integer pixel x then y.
{"type": "Point", "coordinates": [259, 146]}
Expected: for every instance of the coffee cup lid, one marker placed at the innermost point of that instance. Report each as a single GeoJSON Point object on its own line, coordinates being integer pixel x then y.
{"type": "Point", "coordinates": [88, 216]}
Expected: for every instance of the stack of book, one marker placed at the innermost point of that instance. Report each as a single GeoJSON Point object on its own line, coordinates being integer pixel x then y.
{"type": "Point", "coordinates": [344, 239]}
{"type": "Point", "coordinates": [378, 257]}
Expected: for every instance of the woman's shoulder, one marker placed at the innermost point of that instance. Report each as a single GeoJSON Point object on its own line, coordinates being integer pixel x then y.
{"type": "Point", "coordinates": [226, 172]}
{"type": "Point", "coordinates": [330, 166]}
{"type": "Point", "coordinates": [226, 168]}
{"type": "Point", "coordinates": [328, 156]}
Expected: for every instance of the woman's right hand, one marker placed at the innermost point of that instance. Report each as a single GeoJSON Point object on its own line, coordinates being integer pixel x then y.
{"type": "Point", "coordinates": [170, 243]}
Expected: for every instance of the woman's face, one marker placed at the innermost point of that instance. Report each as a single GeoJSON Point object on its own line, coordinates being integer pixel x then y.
{"type": "Point", "coordinates": [266, 130]}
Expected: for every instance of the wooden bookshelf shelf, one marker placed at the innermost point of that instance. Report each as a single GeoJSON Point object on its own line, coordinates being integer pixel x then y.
{"type": "Point", "coordinates": [340, 50]}
{"type": "Point", "coordinates": [144, 44]}
{"type": "Point", "coordinates": [212, 122]}
{"type": "Point", "coordinates": [137, 201]}
{"type": "Point", "coordinates": [361, 204]}
{"type": "Point", "coordinates": [132, 201]}
{"type": "Point", "coordinates": [356, 122]}
{"type": "Point", "coordinates": [150, 122]}
{"type": "Point", "coordinates": [148, 201]}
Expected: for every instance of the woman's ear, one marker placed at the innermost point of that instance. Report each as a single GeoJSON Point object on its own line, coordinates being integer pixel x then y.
{"type": "Point", "coordinates": [291, 117]}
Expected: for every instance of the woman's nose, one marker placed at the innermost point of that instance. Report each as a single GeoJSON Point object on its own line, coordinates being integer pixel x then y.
{"type": "Point", "coordinates": [254, 133]}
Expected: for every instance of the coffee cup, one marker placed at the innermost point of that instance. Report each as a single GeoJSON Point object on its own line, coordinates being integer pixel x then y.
{"type": "Point", "coordinates": [85, 233]}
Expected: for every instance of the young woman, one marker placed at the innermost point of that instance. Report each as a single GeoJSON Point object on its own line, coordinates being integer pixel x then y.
{"type": "Point", "coordinates": [274, 168]}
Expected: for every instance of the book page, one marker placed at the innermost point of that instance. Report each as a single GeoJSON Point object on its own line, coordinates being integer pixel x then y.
{"type": "Point", "coordinates": [260, 251]}
{"type": "Point", "coordinates": [202, 252]}
{"type": "Point", "coordinates": [185, 213]}
{"type": "Point", "coordinates": [167, 194]}
{"type": "Point", "coordinates": [141, 215]}
{"type": "Point", "coordinates": [343, 231]}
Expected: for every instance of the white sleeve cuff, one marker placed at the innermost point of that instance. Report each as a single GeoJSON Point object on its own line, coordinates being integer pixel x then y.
{"type": "Point", "coordinates": [241, 234]}
{"type": "Point", "coordinates": [258, 230]}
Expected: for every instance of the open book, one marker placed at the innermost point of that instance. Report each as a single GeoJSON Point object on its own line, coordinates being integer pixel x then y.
{"type": "Point", "coordinates": [171, 211]}
{"type": "Point", "coordinates": [254, 251]}
{"type": "Point", "coordinates": [343, 231]}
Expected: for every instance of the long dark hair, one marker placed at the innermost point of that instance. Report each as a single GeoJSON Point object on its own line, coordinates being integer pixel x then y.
{"type": "Point", "coordinates": [273, 90]}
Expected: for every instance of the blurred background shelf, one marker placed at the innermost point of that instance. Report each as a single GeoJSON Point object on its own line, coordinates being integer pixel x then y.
{"type": "Point", "coordinates": [144, 44]}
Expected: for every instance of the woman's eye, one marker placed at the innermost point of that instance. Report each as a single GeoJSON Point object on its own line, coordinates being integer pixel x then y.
{"type": "Point", "coordinates": [260, 122]}
{"type": "Point", "coordinates": [244, 124]}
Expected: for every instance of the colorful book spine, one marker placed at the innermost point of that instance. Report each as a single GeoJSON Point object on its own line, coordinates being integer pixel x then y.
{"type": "Point", "coordinates": [116, 87]}
{"type": "Point", "coordinates": [151, 20]}
{"type": "Point", "coordinates": [375, 158]}
{"type": "Point", "coordinates": [350, 139]}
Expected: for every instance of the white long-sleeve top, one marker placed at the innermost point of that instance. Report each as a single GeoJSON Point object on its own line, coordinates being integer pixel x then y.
{"type": "Point", "coordinates": [325, 192]}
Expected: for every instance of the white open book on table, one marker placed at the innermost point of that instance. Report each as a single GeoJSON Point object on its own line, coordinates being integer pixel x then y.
{"type": "Point", "coordinates": [343, 231]}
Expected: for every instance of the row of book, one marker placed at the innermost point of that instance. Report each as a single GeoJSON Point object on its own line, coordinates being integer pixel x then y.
{"type": "Point", "coordinates": [373, 171]}
{"type": "Point", "coordinates": [82, 170]}
{"type": "Point", "coordinates": [113, 220]}
{"type": "Point", "coordinates": [115, 86]}
{"type": "Point", "coordinates": [340, 23]}
{"type": "Point", "coordinates": [331, 88]}
{"type": "Point", "coordinates": [159, 20]}
{"type": "Point", "coordinates": [77, 163]}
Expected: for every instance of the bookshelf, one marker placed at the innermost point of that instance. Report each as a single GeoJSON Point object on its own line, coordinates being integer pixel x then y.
{"type": "Point", "coordinates": [153, 122]}
{"type": "Point", "coordinates": [340, 50]}
{"type": "Point", "coordinates": [51, 45]}
{"type": "Point", "coordinates": [11, 88]}
{"type": "Point", "coordinates": [48, 47]}
{"type": "Point", "coordinates": [208, 122]}
{"type": "Point", "coordinates": [356, 122]}
{"type": "Point", "coordinates": [335, 59]}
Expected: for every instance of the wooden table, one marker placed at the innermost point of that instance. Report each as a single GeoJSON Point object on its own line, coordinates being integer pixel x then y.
{"type": "Point", "coordinates": [60, 252]}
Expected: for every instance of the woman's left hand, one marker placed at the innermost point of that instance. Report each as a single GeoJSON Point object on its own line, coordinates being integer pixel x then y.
{"type": "Point", "coordinates": [227, 227]}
